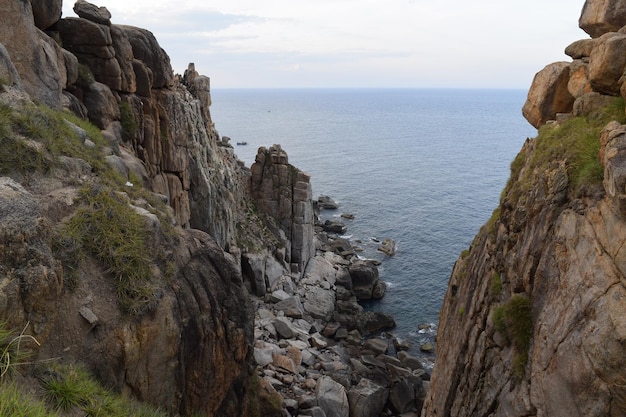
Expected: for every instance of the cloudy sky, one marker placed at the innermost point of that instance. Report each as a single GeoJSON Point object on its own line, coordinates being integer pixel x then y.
{"type": "Point", "coordinates": [358, 43]}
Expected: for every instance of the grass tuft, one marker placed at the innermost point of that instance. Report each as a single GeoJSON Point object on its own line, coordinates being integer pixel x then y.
{"type": "Point", "coordinates": [576, 142]}
{"type": "Point", "coordinates": [14, 351]}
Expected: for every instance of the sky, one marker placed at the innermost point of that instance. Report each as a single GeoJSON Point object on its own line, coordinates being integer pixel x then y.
{"type": "Point", "coordinates": [358, 43]}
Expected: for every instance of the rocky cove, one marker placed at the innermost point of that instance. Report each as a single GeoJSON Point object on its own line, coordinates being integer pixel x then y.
{"type": "Point", "coordinates": [137, 248]}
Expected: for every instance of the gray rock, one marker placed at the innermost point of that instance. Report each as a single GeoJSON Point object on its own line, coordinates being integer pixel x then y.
{"type": "Point", "coordinates": [319, 303]}
{"type": "Point", "coordinates": [409, 361]}
{"type": "Point", "coordinates": [263, 355]}
{"type": "Point", "coordinates": [325, 202]}
{"type": "Point", "coordinates": [292, 307]}
{"type": "Point", "coordinates": [364, 276]}
{"type": "Point", "coordinates": [367, 399]}
{"type": "Point", "coordinates": [284, 328]}
{"type": "Point", "coordinates": [313, 412]}
{"type": "Point", "coordinates": [378, 346]}
{"type": "Point", "coordinates": [402, 397]}
{"type": "Point", "coordinates": [46, 12]}
{"type": "Point", "coordinates": [278, 295]}
{"type": "Point", "coordinates": [92, 12]}
{"type": "Point", "coordinates": [332, 397]}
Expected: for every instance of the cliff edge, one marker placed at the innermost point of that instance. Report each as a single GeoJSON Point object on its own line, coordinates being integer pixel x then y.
{"type": "Point", "coordinates": [533, 322]}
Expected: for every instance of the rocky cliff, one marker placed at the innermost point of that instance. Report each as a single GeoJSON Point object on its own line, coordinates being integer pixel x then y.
{"type": "Point", "coordinates": [121, 238]}
{"type": "Point", "coordinates": [534, 317]}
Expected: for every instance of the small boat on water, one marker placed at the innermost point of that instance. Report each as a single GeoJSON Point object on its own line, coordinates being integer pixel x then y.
{"type": "Point", "coordinates": [242, 143]}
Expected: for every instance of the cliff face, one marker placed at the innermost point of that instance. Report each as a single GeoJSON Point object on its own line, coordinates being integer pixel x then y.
{"type": "Point", "coordinates": [533, 322]}
{"type": "Point", "coordinates": [120, 244]}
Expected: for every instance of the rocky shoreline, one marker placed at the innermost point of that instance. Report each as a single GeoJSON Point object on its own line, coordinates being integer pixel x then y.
{"type": "Point", "coordinates": [319, 353]}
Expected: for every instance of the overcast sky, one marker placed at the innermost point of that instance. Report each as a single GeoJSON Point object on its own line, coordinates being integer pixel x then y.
{"type": "Point", "coordinates": [358, 43]}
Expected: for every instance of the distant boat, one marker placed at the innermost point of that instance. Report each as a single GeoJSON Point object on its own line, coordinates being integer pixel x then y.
{"type": "Point", "coordinates": [242, 143]}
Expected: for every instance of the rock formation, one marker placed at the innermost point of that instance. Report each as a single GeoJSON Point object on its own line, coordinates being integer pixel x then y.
{"type": "Point", "coordinates": [532, 323]}
{"type": "Point", "coordinates": [137, 245]}
{"type": "Point", "coordinates": [180, 335]}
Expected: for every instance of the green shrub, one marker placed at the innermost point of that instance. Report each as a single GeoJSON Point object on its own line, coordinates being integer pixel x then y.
{"type": "Point", "coordinates": [514, 320]}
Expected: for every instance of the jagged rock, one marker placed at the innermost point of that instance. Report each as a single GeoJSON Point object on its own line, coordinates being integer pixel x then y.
{"type": "Point", "coordinates": [86, 38]}
{"type": "Point", "coordinates": [93, 13]}
{"type": "Point", "coordinates": [601, 16]}
{"type": "Point", "coordinates": [332, 398]}
{"type": "Point", "coordinates": [548, 95]}
{"type": "Point", "coordinates": [579, 84]}
{"type": "Point", "coordinates": [367, 399]}
{"type": "Point", "coordinates": [46, 12]}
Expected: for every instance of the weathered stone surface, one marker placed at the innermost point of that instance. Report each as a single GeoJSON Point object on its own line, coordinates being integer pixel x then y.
{"type": "Point", "coordinates": [607, 62]}
{"type": "Point", "coordinates": [332, 398]}
{"type": "Point", "coordinates": [101, 105]}
{"type": "Point", "coordinates": [601, 16]}
{"type": "Point", "coordinates": [37, 58]}
{"type": "Point", "coordinates": [378, 346]}
{"type": "Point", "coordinates": [580, 49]}
{"type": "Point", "coordinates": [548, 94]}
{"type": "Point", "coordinates": [284, 193]}
{"type": "Point", "coordinates": [569, 261]}
{"type": "Point", "coordinates": [367, 399]}
{"type": "Point", "coordinates": [46, 12]}
{"type": "Point", "coordinates": [8, 73]}
{"type": "Point", "coordinates": [147, 49]}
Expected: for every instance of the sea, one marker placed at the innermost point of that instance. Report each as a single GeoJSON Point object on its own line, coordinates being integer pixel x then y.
{"type": "Point", "coordinates": [424, 167]}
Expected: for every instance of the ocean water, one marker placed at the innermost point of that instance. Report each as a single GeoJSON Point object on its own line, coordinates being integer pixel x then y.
{"type": "Point", "coordinates": [424, 167]}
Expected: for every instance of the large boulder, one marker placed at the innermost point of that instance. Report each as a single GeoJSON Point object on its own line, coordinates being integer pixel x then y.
{"type": "Point", "coordinates": [607, 62]}
{"type": "Point", "coordinates": [367, 399]}
{"type": "Point", "coordinates": [92, 12]}
{"type": "Point", "coordinates": [602, 16]}
{"type": "Point", "coordinates": [548, 94]}
{"type": "Point", "coordinates": [364, 275]}
{"type": "Point", "coordinates": [332, 397]}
